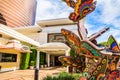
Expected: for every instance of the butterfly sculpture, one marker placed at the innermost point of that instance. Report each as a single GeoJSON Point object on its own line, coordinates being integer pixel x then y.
{"type": "Point", "coordinates": [94, 62]}
{"type": "Point", "coordinates": [81, 8]}
{"type": "Point", "coordinates": [99, 65]}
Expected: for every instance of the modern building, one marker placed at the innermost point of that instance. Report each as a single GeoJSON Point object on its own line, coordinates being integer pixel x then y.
{"type": "Point", "coordinates": [50, 38]}
{"type": "Point", "coordinates": [16, 13]}
{"type": "Point", "coordinates": [20, 16]}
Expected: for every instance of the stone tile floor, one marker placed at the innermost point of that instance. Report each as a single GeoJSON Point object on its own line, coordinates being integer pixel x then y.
{"type": "Point", "coordinates": [29, 74]}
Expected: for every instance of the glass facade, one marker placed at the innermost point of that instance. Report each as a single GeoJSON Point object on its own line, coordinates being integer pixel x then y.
{"type": "Point", "coordinates": [16, 13]}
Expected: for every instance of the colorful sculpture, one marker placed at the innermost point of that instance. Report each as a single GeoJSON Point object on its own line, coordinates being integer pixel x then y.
{"type": "Point", "coordinates": [81, 8]}
{"type": "Point", "coordinates": [95, 62]}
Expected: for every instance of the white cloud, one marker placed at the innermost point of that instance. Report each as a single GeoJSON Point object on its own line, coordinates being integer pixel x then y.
{"type": "Point", "coordinates": [48, 9]}
{"type": "Point", "coordinates": [109, 11]}
{"type": "Point", "coordinates": [109, 15]}
{"type": "Point", "coordinates": [42, 8]}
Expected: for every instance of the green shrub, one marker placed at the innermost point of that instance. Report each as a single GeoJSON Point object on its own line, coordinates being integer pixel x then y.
{"type": "Point", "coordinates": [33, 56]}
{"type": "Point", "coordinates": [24, 60]}
{"type": "Point", "coordinates": [63, 76]}
{"type": "Point", "coordinates": [48, 78]}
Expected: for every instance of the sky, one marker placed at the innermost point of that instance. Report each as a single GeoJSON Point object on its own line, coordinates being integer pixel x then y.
{"type": "Point", "coordinates": [107, 13]}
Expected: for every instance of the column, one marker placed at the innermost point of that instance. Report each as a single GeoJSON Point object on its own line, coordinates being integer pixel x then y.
{"type": "Point", "coordinates": [67, 54]}
{"type": "Point", "coordinates": [37, 66]}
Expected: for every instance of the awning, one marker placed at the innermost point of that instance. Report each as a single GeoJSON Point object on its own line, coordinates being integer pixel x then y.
{"type": "Point", "coordinates": [55, 48]}
{"type": "Point", "coordinates": [14, 46]}
{"type": "Point", "coordinates": [12, 49]}
{"type": "Point", "coordinates": [55, 22]}
{"type": "Point", "coordinates": [14, 34]}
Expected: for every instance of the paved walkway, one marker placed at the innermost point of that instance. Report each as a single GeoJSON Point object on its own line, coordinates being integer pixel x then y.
{"type": "Point", "coordinates": [29, 74]}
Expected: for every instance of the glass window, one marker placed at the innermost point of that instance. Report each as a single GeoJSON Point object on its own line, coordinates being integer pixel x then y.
{"type": "Point", "coordinates": [56, 37]}
{"type": "Point", "coordinates": [8, 57]}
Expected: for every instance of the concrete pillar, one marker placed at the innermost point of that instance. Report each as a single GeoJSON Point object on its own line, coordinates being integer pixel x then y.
{"type": "Point", "coordinates": [38, 59]}
{"type": "Point", "coordinates": [67, 54]}
{"type": "Point", "coordinates": [37, 66]}
{"type": "Point", "coordinates": [48, 60]}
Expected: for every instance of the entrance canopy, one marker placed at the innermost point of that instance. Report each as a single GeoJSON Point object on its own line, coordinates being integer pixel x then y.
{"type": "Point", "coordinates": [55, 48]}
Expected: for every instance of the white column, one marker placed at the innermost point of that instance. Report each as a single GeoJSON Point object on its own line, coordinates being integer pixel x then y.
{"type": "Point", "coordinates": [38, 60]}
{"type": "Point", "coordinates": [36, 74]}
{"type": "Point", "coordinates": [48, 60]}
{"type": "Point", "coordinates": [67, 54]}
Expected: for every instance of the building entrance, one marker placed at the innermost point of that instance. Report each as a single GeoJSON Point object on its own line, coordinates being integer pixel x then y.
{"type": "Point", "coordinates": [57, 62]}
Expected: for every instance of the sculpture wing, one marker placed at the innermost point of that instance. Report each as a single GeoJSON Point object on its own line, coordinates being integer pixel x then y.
{"type": "Point", "coordinates": [72, 40]}
{"type": "Point", "coordinates": [65, 60]}
{"type": "Point", "coordinates": [82, 8]}
{"type": "Point", "coordinates": [95, 69]}
{"type": "Point", "coordinates": [97, 63]}
{"type": "Point", "coordinates": [114, 48]}
{"type": "Point", "coordinates": [92, 49]}
{"type": "Point", "coordinates": [70, 3]}
{"type": "Point", "coordinates": [112, 44]}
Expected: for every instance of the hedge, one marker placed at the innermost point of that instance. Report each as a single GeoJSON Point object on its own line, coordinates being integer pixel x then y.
{"type": "Point", "coordinates": [42, 58]}
{"type": "Point", "coordinates": [33, 56]}
{"type": "Point", "coordinates": [24, 64]}
{"type": "Point", "coordinates": [63, 76]}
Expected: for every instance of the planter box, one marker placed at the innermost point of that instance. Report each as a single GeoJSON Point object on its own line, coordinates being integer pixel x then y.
{"type": "Point", "coordinates": [42, 66]}
{"type": "Point", "coordinates": [31, 67]}
{"type": "Point", "coordinates": [45, 65]}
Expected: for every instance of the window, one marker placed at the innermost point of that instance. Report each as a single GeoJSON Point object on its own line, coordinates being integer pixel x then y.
{"type": "Point", "coordinates": [8, 57]}
{"type": "Point", "coordinates": [56, 37]}
{"type": "Point", "coordinates": [2, 19]}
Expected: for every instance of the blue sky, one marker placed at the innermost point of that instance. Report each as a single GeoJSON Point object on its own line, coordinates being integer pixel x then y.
{"type": "Point", "coordinates": [107, 13]}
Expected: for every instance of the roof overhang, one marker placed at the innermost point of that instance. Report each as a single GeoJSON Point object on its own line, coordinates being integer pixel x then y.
{"type": "Point", "coordinates": [55, 22]}
{"type": "Point", "coordinates": [14, 34]}
{"type": "Point", "coordinates": [54, 48]}
{"type": "Point", "coordinates": [29, 29]}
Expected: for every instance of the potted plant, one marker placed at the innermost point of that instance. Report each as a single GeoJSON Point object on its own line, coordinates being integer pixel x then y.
{"type": "Point", "coordinates": [42, 64]}
{"type": "Point", "coordinates": [45, 64]}
{"type": "Point", "coordinates": [32, 63]}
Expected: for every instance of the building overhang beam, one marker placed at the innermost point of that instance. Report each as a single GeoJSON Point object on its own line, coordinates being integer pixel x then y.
{"type": "Point", "coordinates": [14, 34]}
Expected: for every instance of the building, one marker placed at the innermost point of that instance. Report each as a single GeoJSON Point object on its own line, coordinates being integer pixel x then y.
{"type": "Point", "coordinates": [11, 48]}
{"type": "Point", "coordinates": [16, 13]}
{"type": "Point", "coordinates": [54, 41]}
{"type": "Point", "coordinates": [50, 38]}
{"type": "Point", "coordinates": [20, 16]}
